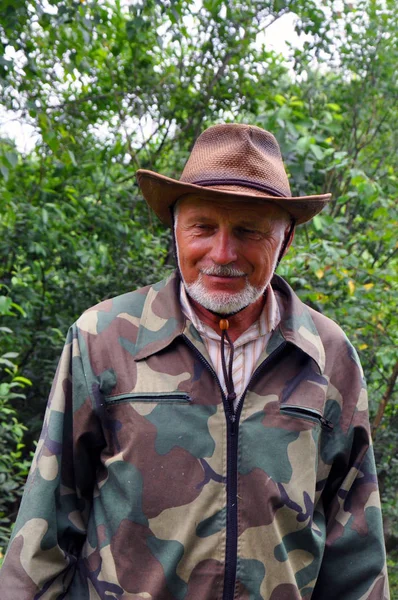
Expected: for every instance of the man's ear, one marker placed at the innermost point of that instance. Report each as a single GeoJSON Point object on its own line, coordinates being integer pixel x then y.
{"type": "Point", "coordinates": [289, 237]}
{"type": "Point", "coordinates": [287, 240]}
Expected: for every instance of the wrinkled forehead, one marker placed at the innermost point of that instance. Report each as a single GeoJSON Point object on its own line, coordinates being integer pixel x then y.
{"type": "Point", "coordinates": [192, 205]}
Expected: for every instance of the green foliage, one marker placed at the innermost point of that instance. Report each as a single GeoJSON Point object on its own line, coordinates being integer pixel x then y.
{"type": "Point", "coordinates": [392, 566]}
{"type": "Point", "coordinates": [13, 466]}
{"type": "Point", "coordinates": [110, 86]}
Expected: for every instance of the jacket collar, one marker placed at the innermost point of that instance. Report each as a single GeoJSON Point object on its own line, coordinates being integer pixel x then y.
{"type": "Point", "coordinates": [297, 325]}
{"type": "Point", "coordinates": [163, 321]}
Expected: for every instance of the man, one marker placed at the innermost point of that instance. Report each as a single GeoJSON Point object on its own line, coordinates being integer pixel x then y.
{"type": "Point", "coordinates": [207, 437]}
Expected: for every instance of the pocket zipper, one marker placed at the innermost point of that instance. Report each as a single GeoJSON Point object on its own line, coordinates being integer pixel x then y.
{"type": "Point", "coordinates": [148, 397]}
{"type": "Point", "coordinates": [308, 413]}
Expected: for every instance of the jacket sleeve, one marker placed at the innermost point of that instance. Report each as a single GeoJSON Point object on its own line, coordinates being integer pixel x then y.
{"type": "Point", "coordinates": [52, 521]}
{"type": "Point", "coordinates": [354, 560]}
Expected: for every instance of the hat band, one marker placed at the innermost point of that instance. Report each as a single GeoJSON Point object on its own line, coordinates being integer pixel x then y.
{"type": "Point", "coordinates": [242, 182]}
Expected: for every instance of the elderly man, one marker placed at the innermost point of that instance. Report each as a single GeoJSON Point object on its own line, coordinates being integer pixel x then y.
{"type": "Point", "coordinates": [207, 437]}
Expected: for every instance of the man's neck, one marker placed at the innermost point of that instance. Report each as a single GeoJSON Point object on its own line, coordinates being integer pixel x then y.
{"type": "Point", "coordinates": [238, 323]}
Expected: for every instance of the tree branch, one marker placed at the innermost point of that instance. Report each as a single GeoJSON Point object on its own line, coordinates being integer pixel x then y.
{"type": "Point", "coordinates": [385, 399]}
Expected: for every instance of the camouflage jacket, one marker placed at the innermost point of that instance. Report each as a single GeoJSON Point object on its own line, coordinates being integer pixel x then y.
{"type": "Point", "coordinates": [146, 485]}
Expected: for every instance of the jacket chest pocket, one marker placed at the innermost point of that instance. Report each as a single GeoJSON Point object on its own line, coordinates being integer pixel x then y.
{"type": "Point", "coordinates": [157, 421]}
{"type": "Point", "coordinates": [159, 424]}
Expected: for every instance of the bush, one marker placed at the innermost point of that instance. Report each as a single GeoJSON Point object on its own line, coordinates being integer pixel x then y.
{"type": "Point", "coordinates": [13, 466]}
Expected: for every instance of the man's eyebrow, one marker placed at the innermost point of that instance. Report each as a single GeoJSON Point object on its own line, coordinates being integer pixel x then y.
{"type": "Point", "coordinates": [199, 217]}
{"type": "Point", "coordinates": [248, 223]}
{"type": "Point", "coordinates": [254, 223]}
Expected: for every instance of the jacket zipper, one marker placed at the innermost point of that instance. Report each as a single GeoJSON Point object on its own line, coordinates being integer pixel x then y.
{"type": "Point", "coordinates": [308, 413]}
{"type": "Point", "coordinates": [232, 418]}
{"type": "Point", "coordinates": [232, 485]}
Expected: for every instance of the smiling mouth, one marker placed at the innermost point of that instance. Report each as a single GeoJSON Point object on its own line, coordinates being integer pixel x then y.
{"type": "Point", "coordinates": [225, 281]}
{"type": "Point", "coordinates": [226, 277]}
{"type": "Point", "coordinates": [224, 274]}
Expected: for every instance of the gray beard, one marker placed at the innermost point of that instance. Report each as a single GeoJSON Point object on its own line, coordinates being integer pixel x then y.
{"type": "Point", "coordinates": [223, 303]}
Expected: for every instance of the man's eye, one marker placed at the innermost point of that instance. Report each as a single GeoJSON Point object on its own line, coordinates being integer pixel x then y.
{"type": "Point", "coordinates": [203, 227]}
{"type": "Point", "coordinates": [254, 233]}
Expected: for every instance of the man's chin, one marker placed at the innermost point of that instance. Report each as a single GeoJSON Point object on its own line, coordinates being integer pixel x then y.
{"type": "Point", "coordinates": [224, 302]}
{"type": "Point", "coordinates": [223, 309]}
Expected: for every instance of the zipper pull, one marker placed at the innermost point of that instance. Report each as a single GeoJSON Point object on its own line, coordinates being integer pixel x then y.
{"type": "Point", "coordinates": [232, 424]}
{"type": "Point", "coordinates": [328, 425]}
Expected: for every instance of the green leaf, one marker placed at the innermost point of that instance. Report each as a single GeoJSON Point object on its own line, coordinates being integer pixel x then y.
{"type": "Point", "coordinates": [318, 223]}
{"type": "Point", "coordinates": [72, 157]}
{"type": "Point", "coordinates": [334, 107]}
{"type": "Point", "coordinates": [5, 305]}
{"type": "Point", "coordinates": [280, 99]}
{"type": "Point", "coordinates": [317, 151]}
{"type": "Point", "coordinates": [12, 158]}
{"type": "Point", "coordinates": [6, 362]}
{"type": "Point", "coordinates": [10, 355]}
{"type": "Point", "coordinates": [24, 380]}
{"type": "Point", "coordinates": [4, 171]}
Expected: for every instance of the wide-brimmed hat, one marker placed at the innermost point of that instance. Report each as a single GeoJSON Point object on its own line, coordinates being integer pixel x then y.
{"type": "Point", "coordinates": [233, 162]}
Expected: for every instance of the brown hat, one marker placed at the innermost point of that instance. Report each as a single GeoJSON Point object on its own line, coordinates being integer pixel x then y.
{"type": "Point", "coordinates": [231, 162]}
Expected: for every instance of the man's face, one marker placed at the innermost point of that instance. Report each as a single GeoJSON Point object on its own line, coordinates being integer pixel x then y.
{"type": "Point", "coordinates": [227, 252]}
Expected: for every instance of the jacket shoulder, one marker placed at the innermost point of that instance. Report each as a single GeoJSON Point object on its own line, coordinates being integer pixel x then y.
{"type": "Point", "coordinates": [128, 306]}
{"type": "Point", "coordinates": [313, 332]}
{"type": "Point", "coordinates": [329, 330]}
{"type": "Point", "coordinates": [334, 340]}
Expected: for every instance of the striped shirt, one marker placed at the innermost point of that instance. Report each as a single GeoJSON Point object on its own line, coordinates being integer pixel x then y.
{"type": "Point", "coordinates": [247, 348]}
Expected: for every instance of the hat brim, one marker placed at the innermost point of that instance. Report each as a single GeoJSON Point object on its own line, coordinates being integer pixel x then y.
{"type": "Point", "coordinates": [162, 192]}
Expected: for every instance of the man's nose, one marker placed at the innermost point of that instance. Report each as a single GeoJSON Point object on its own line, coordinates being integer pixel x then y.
{"type": "Point", "coordinates": [224, 249]}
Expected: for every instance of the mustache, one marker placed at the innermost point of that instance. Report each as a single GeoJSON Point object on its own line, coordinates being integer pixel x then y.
{"type": "Point", "coordinates": [222, 271]}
